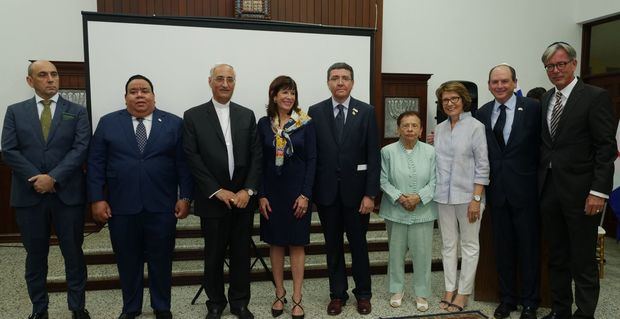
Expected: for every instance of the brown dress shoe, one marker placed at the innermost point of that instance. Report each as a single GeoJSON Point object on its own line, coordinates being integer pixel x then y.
{"type": "Point", "coordinates": [335, 307]}
{"type": "Point", "coordinates": [363, 306]}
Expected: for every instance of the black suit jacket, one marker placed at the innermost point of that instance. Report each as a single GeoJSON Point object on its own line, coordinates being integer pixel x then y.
{"type": "Point", "coordinates": [514, 169]}
{"type": "Point", "coordinates": [61, 156]}
{"type": "Point", "coordinates": [206, 154]}
{"type": "Point", "coordinates": [584, 149]}
{"type": "Point", "coordinates": [355, 163]}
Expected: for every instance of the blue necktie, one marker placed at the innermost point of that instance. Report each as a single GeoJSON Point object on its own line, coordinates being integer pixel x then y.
{"type": "Point", "coordinates": [339, 122]}
{"type": "Point", "coordinates": [141, 134]}
{"type": "Point", "coordinates": [499, 126]}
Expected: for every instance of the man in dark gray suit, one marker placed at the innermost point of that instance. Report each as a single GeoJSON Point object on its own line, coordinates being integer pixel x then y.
{"type": "Point", "coordinates": [575, 177]}
{"type": "Point", "coordinates": [512, 126]}
{"type": "Point", "coordinates": [44, 141]}
{"type": "Point", "coordinates": [224, 155]}
{"type": "Point", "coordinates": [346, 183]}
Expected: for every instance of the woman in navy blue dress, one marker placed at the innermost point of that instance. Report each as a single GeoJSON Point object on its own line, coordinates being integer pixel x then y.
{"type": "Point", "coordinates": [289, 160]}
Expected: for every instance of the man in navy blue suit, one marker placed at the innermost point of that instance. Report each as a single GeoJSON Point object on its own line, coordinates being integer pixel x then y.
{"type": "Point", "coordinates": [139, 182]}
{"type": "Point", "coordinates": [45, 141]}
{"type": "Point", "coordinates": [346, 183]}
{"type": "Point", "coordinates": [513, 136]}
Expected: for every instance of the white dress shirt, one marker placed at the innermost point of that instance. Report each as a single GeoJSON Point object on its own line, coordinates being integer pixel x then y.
{"type": "Point", "coordinates": [223, 115]}
{"type": "Point", "coordinates": [345, 110]}
{"type": "Point", "coordinates": [39, 99]}
{"type": "Point", "coordinates": [148, 123]}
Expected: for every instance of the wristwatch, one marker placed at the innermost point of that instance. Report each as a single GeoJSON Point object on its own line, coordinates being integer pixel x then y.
{"type": "Point", "coordinates": [477, 198]}
{"type": "Point", "coordinates": [250, 191]}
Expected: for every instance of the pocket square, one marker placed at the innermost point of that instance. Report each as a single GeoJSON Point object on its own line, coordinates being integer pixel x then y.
{"type": "Point", "coordinates": [67, 116]}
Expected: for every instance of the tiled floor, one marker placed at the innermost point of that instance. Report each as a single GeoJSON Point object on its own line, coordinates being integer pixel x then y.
{"type": "Point", "coordinates": [14, 302]}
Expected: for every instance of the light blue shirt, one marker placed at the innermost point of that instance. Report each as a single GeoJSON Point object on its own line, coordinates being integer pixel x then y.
{"type": "Point", "coordinates": [345, 109]}
{"type": "Point", "coordinates": [511, 104]}
{"type": "Point", "coordinates": [462, 159]}
{"type": "Point", "coordinates": [408, 172]}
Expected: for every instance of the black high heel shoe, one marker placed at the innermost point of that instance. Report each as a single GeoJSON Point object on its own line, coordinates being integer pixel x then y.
{"type": "Point", "coordinates": [277, 312]}
{"type": "Point", "coordinates": [297, 304]}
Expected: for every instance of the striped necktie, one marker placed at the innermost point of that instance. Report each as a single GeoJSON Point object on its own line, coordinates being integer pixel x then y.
{"type": "Point", "coordinates": [556, 113]}
{"type": "Point", "coordinates": [46, 118]}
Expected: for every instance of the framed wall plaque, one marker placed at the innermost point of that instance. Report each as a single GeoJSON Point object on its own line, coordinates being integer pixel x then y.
{"type": "Point", "coordinates": [253, 9]}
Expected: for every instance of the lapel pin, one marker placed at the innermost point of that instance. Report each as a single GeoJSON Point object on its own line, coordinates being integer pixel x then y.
{"type": "Point", "coordinates": [354, 111]}
{"type": "Point", "coordinates": [520, 109]}
{"type": "Point", "coordinates": [159, 119]}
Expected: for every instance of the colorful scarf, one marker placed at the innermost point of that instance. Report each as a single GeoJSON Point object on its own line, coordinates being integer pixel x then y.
{"type": "Point", "coordinates": [282, 138]}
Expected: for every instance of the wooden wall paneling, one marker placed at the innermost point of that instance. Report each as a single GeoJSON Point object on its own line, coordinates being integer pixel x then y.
{"type": "Point", "coordinates": [183, 5]}
{"type": "Point", "coordinates": [402, 85]}
{"type": "Point", "coordinates": [9, 232]}
{"type": "Point", "coordinates": [288, 10]}
{"type": "Point", "coordinates": [345, 12]}
{"type": "Point", "coordinates": [337, 9]}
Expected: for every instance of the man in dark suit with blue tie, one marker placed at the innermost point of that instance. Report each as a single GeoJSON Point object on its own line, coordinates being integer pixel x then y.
{"type": "Point", "coordinates": [45, 141]}
{"type": "Point", "coordinates": [346, 183]}
{"type": "Point", "coordinates": [139, 182]}
{"type": "Point", "coordinates": [575, 172]}
{"type": "Point", "coordinates": [513, 135]}
{"type": "Point", "coordinates": [224, 155]}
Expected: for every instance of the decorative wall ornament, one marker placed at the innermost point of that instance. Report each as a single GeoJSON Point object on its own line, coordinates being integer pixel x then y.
{"type": "Point", "coordinates": [394, 106]}
{"type": "Point", "coordinates": [75, 96]}
{"type": "Point", "coordinates": [253, 9]}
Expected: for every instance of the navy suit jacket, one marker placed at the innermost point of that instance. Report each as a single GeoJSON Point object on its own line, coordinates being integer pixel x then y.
{"type": "Point", "coordinates": [151, 181]}
{"type": "Point", "coordinates": [355, 163]}
{"type": "Point", "coordinates": [583, 152]}
{"type": "Point", "coordinates": [61, 156]}
{"type": "Point", "coordinates": [514, 169]}
{"type": "Point", "coordinates": [206, 152]}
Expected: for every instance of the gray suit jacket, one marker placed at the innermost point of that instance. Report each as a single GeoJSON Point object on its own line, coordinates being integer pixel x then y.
{"type": "Point", "coordinates": [61, 157]}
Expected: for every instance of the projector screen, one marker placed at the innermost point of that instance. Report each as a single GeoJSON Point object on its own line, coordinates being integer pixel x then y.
{"type": "Point", "coordinates": [176, 54]}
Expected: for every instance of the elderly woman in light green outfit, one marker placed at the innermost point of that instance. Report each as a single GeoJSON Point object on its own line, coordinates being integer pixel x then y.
{"type": "Point", "coordinates": [408, 184]}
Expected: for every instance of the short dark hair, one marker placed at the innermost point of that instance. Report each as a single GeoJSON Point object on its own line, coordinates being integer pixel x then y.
{"type": "Point", "coordinates": [282, 82]}
{"type": "Point", "coordinates": [340, 65]}
{"type": "Point", "coordinates": [139, 77]}
{"type": "Point", "coordinates": [513, 73]}
{"type": "Point", "coordinates": [458, 88]}
{"type": "Point", "coordinates": [536, 93]}
{"type": "Point", "coordinates": [408, 113]}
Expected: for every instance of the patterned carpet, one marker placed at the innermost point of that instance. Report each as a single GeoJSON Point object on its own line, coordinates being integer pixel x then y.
{"type": "Point", "coordinates": [472, 314]}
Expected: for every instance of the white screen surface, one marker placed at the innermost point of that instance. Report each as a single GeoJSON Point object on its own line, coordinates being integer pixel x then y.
{"type": "Point", "coordinates": [177, 59]}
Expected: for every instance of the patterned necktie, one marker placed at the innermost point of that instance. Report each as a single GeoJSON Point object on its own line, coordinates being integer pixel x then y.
{"type": "Point", "coordinates": [141, 134]}
{"type": "Point", "coordinates": [339, 122]}
{"type": "Point", "coordinates": [556, 113]}
{"type": "Point", "coordinates": [499, 126]}
{"type": "Point", "coordinates": [46, 118]}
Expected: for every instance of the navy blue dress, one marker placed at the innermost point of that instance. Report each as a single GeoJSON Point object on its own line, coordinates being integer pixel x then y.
{"type": "Point", "coordinates": [297, 178]}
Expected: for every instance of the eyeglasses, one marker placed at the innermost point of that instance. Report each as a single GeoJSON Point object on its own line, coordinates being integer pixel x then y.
{"type": "Point", "coordinates": [559, 65]}
{"type": "Point", "coordinates": [221, 79]}
{"type": "Point", "coordinates": [454, 100]}
{"type": "Point", "coordinates": [340, 78]}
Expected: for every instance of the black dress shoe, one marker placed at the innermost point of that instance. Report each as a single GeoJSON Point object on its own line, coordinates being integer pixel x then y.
{"type": "Point", "coordinates": [214, 313]}
{"type": "Point", "coordinates": [129, 315]}
{"type": "Point", "coordinates": [80, 314]}
{"type": "Point", "coordinates": [503, 310]}
{"type": "Point", "coordinates": [242, 312]}
{"type": "Point", "coordinates": [163, 314]}
{"type": "Point", "coordinates": [555, 315]}
{"type": "Point", "coordinates": [528, 313]}
{"type": "Point", "coordinates": [38, 315]}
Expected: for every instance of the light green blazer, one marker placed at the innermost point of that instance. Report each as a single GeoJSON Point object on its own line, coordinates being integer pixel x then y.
{"type": "Point", "coordinates": [405, 172]}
